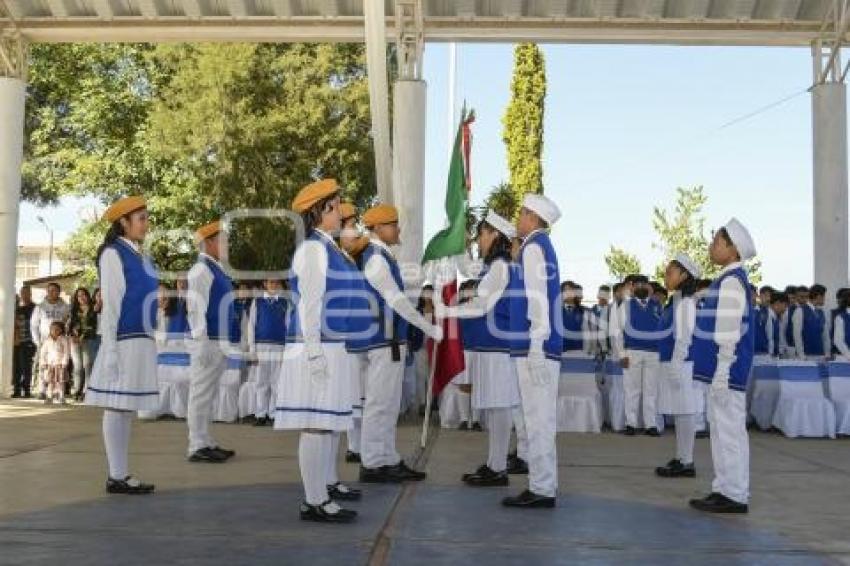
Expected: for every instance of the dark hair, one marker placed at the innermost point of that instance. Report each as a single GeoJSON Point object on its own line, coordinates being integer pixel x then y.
{"type": "Point", "coordinates": [312, 217]}
{"type": "Point", "coordinates": [617, 287]}
{"type": "Point", "coordinates": [638, 279]}
{"type": "Point", "coordinates": [567, 285]}
{"type": "Point", "coordinates": [703, 284]}
{"type": "Point", "coordinates": [690, 285]}
{"type": "Point", "coordinates": [75, 304]}
{"type": "Point", "coordinates": [115, 231]}
{"type": "Point", "coordinates": [54, 284]}
{"type": "Point", "coordinates": [801, 289]}
{"type": "Point", "coordinates": [790, 289]}
{"type": "Point", "coordinates": [501, 248]}
{"type": "Point", "coordinates": [778, 297]}
{"type": "Point", "coordinates": [604, 288]}
{"type": "Point", "coordinates": [818, 290]}
{"type": "Point", "coordinates": [420, 304]}
{"type": "Point", "coordinates": [58, 324]}
{"type": "Point", "coordinates": [766, 289]}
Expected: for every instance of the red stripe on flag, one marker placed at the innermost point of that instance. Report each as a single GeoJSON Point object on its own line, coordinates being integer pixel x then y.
{"type": "Point", "coordinates": [449, 362]}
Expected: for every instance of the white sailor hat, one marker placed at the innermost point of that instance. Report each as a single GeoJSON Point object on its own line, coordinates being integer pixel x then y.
{"type": "Point", "coordinates": [689, 264]}
{"type": "Point", "coordinates": [542, 207]}
{"type": "Point", "coordinates": [500, 224]}
{"type": "Point", "coordinates": [741, 238]}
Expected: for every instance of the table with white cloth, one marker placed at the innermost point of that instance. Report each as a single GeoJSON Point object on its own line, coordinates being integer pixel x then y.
{"type": "Point", "coordinates": [838, 390]}
{"type": "Point", "coordinates": [172, 369]}
{"type": "Point", "coordinates": [803, 409]}
{"type": "Point", "coordinates": [579, 407]}
{"type": "Point", "coordinates": [765, 377]}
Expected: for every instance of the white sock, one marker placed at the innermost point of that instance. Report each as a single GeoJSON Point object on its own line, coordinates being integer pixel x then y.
{"type": "Point", "coordinates": [499, 423]}
{"type": "Point", "coordinates": [685, 434]}
{"type": "Point", "coordinates": [353, 435]}
{"type": "Point", "coordinates": [333, 450]}
{"type": "Point", "coordinates": [116, 439]}
{"type": "Point", "coordinates": [312, 458]}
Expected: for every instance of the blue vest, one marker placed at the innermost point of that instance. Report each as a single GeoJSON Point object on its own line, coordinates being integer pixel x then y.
{"type": "Point", "coordinates": [640, 330]}
{"type": "Point", "coordinates": [845, 317]}
{"type": "Point", "coordinates": [573, 318]}
{"type": "Point", "coordinates": [222, 322]}
{"type": "Point", "coordinates": [703, 347]}
{"type": "Point", "coordinates": [360, 322]}
{"type": "Point", "coordinates": [177, 325]}
{"type": "Point", "coordinates": [667, 330]}
{"type": "Point", "coordinates": [813, 327]}
{"type": "Point", "coordinates": [761, 340]}
{"type": "Point", "coordinates": [520, 324]}
{"type": "Point", "coordinates": [141, 286]}
{"type": "Point", "coordinates": [789, 328]}
{"type": "Point", "coordinates": [335, 301]}
{"type": "Point", "coordinates": [270, 323]}
{"type": "Point", "coordinates": [489, 333]}
{"type": "Point", "coordinates": [388, 326]}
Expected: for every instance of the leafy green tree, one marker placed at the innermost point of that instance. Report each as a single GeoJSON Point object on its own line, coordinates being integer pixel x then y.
{"type": "Point", "coordinates": [503, 201]}
{"type": "Point", "coordinates": [621, 263]}
{"type": "Point", "coordinates": [523, 121]}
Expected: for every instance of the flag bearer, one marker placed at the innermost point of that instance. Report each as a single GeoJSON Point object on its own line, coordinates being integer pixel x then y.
{"type": "Point", "coordinates": [722, 351]}
{"type": "Point", "coordinates": [123, 379]}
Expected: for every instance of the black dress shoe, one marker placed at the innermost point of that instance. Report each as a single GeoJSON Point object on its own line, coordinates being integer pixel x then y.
{"type": "Point", "coordinates": [675, 469]}
{"type": "Point", "coordinates": [207, 455]}
{"type": "Point", "coordinates": [517, 466]}
{"type": "Point", "coordinates": [719, 503]}
{"type": "Point", "coordinates": [404, 473]}
{"type": "Point", "coordinates": [477, 427]}
{"type": "Point", "coordinates": [529, 500]}
{"type": "Point", "coordinates": [263, 421]}
{"type": "Point", "coordinates": [341, 492]}
{"type": "Point", "coordinates": [486, 477]}
{"type": "Point", "coordinates": [352, 457]}
{"type": "Point", "coordinates": [327, 513]}
{"type": "Point", "coordinates": [128, 486]}
{"type": "Point", "coordinates": [463, 426]}
{"type": "Point", "coordinates": [630, 431]}
{"type": "Point", "coordinates": [228, 454]}
{"type": "Point", "coordinates": [652, 431]}
{"type": "Point", "coordinates": [702, 434]}
{"type": "Point", "coordinates": [16, 395]}
{"type": "Point", "coordinates": [377, 475]}
{"type": "Point", "coordinates": [481, 469]}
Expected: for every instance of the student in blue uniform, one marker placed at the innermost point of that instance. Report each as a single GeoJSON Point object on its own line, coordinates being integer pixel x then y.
{"type": "Point", "coordinates": [535, 323]}
{"type": "Point", "coordinates": [266, 340]}
{"type": "Point", "coordinates": [841, 326]}
{"type": "Point", "coordinates": [677, 395]}
{"type": "Point", "coordinates": [811, 334]}
{"type": "Point", "coordinates": [722, 352]}
{"type": "Point", "coordinates": [635, 345]}
{"type": "Point", "coordinates": [775, 312]}
{"type": "Point", "coordinates": [578, 338]}
{"type": "Point", "coordinates": [786, 328]}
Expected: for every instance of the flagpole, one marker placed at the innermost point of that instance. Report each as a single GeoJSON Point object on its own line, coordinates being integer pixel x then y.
{"type": "Point", "coordinates": [429, 395]}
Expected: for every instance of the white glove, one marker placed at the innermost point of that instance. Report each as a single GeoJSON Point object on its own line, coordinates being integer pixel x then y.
{"type": "Point", "coordinates": [318, 367]}
{"type": "Point", "coordinates": [435, 332]}
{"type": "Point", "coordinates": [537, 368]}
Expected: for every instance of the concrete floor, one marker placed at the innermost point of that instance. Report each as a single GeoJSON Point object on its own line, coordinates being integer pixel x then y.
{"type": "Point", "coordinates": [611, 509]}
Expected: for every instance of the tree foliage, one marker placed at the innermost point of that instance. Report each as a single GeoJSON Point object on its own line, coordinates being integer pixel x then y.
{"type": "Point", "coordinates": [523, 121]}
{"type": "Point", "coordinates": [200, 129]}
{"type": "Point", "coordinates": [621, 263]}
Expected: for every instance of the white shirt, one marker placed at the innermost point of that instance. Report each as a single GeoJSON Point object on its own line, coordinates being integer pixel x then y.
{"type": "Point", "coordinates": [199, 280]}
{"type": "Point", "coordinates": [377, 272]}
{"type": "Point", "coordinates": [112, 289]}
{"type": "Point", "coordinates": [488, 292]}
{"type": "Point", "coordinates": [534, 276]}
{"type": "Point", "coordinates": [601, 322]}
{"type": "Point", "coordinates": [797, 326]}
{"type": "Point", "coordinates": [685, 316]}
{"type": "Point", "coordinates": [840, 340]}
{"type": "Point", "coordinates": [731, 305]}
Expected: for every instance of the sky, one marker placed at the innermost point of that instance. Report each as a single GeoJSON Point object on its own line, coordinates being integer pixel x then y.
{"type": "Point", "coordinates": [625, 126]}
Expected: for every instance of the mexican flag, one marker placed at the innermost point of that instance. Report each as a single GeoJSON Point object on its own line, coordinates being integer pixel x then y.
{"type": "Point", "coordinates": [441, 256]}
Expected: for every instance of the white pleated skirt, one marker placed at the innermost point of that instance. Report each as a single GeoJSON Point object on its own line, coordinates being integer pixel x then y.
{"type": "Point", "coordinates": [494, 380]}
{"type": "Point", "coordinates": [307, 402]}
{"type": "Point", "coordinates": [135, 387]}
{"type": "Point", "coordinates": [676, 393]}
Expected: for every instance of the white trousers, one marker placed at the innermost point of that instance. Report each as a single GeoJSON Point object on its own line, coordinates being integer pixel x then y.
{"type": "Point", "coordinates": [685, 436]}
{"type": "Point", "coordinates": [381, 408]}
{"type": "Point", "coordinates": [539, 409]}
{"type": "Point", "coordinates": [521, 435]}
{"type": "Point", "coordinates": [730, 447]}
{"type": "Point", "coordinates": [269, 363]}
{"type": "Point", "coordinates": [499, 423]}
{"type": "Point", "coordinates": [640, 380]}
{"type": "Point", "coordinates": [205, 371]}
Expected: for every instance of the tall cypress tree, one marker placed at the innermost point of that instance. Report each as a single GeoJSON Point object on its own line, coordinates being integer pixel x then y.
{"type": "Point", "coordinates": [523, 121]}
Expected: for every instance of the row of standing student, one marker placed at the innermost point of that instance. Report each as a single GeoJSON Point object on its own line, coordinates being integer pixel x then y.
{"type": "Point", "coordinates": [330, 355]}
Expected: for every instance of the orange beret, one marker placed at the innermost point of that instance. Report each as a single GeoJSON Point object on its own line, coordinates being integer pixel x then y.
{"type": "Point", "coordinates": [380, 214]}
{"type": "Point", "coordinates": [356, 248]}
{"type": "Point", "coordinates": [207, 231]}
{"type": "Point", "coordinates": [347, 210]}
{"type": "Point", "coordinates": [123, 207]}
{"type": "Point", "coordinates": [313, 193]}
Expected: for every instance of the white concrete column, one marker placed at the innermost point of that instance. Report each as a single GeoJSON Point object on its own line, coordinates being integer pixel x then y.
{"type": "Point", "coordinates": [829, 123]}
{"type": "Point", "coordinates": [409, 112]}
{"type": "Point", "coordinates": [376, 65]}
{"type": "Point", "coordinates": [12, 96]}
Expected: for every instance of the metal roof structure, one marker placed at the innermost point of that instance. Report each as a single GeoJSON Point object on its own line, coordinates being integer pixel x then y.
{"type": "Point", "coordinates": [688, 22]}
